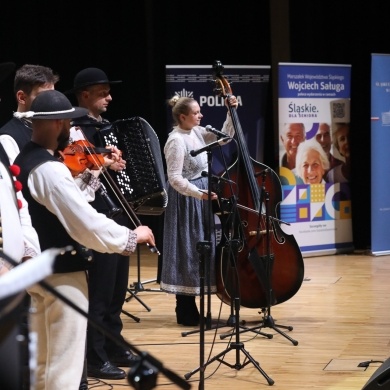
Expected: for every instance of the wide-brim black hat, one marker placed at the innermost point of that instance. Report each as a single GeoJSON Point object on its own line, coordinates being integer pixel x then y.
{"type": "Point", "coordinates": [90, 76]}
{"type": "Point", "coordinates": [53, 104]}
{"type": "Point", "coordinates": [6, 69]}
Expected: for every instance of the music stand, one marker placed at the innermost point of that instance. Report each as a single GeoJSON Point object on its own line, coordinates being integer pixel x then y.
{"type": "Point", "coordinates": [138, 286]}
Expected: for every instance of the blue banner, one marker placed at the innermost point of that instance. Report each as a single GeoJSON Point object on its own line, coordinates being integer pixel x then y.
{"type": "Point", "coordinates": [314, 118]}
{"type": "Point", "coordinates": [248, 83]}
{"type": "Point", "coordinates": [380, 158]}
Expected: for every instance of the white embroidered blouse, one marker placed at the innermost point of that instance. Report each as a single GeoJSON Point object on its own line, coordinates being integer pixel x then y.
{"type": "Point", "coordinates": [181, 166]}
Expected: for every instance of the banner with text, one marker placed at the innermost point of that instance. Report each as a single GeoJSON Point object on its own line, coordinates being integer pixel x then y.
{"type": "Point", "coordinates": [380, 157]}
{"type": "Point", "coordinates": [314, 118]}
{"type": "Point", "coordinates": [249, 84]}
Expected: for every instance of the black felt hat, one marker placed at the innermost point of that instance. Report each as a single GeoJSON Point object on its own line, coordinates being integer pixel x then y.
{"type": "Point", "coordinates": [5, 69]}
{"type": "Point", "coordinates": [90, 76]}
{"type": "Point", "coordinates": [53, 104]}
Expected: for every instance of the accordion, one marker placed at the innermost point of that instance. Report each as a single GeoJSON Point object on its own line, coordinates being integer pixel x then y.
{"type": "Point", "coordinates": [142, 182]}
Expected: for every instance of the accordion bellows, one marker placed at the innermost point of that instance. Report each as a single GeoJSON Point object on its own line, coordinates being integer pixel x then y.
{"type": "Point", "coordinates": [142, 182]}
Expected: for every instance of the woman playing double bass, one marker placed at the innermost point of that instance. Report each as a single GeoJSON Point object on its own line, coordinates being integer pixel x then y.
{"type": "Point", "coordinates": [186, 213]}
{"type": "Point", "coordinates": [269, 267]}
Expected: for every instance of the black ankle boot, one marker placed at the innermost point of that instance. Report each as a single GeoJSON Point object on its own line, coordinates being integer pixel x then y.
{"type": "Point", "coordinates": [187, 313]}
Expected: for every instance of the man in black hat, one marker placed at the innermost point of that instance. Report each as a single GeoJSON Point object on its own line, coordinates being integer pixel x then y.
{"type": "Point", "coordinates": [62, 216]}
{"type": "Point", "coordinates": [92, 90]}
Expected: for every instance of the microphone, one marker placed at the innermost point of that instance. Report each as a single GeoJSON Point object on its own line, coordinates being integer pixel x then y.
{"type": "Point", "coordinates": [217, 178]}
{"type": "Point", "coordinates": [219, 134]}
{"type": "Point", "coordinates": [194, 153]}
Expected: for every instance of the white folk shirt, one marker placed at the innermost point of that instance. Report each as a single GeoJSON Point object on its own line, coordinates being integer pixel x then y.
{"type": "Point", "coordinates": [10, 146]}
{"type": "Point", "coordinates": [181, 166]}
{"type": "Point", "coordinates": [19, 237]}
{"type": "Point", "coordinates": [52, 185]}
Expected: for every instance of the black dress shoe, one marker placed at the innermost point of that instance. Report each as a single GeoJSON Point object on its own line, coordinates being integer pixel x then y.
{"type": "Point", "coordinates": [123, 359]}
{"type": "Point", "coordinates": [190, 321]}
{"type": "Point", "coordinates": [187, 313]}
{"type": "Point", "coordinates": [187, 316]}
{"type": "Point", "coordinates": [106, 371]}
{"type": "Point", "coordinates": [187, 320]}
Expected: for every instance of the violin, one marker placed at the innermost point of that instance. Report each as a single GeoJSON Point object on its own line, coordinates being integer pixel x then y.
{"type": "Point", "coordinates": [80, 155]}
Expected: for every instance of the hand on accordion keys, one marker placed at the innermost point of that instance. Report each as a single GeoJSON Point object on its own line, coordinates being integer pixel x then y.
{"type": "Point", "coordinates": [114, 160]}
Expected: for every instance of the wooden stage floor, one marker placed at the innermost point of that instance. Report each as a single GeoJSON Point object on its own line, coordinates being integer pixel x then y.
{"type": "Point", "coordinates": [340, 318]}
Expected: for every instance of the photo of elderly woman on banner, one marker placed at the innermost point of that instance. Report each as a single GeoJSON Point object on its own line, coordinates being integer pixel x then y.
{"type": "Point", "coordinates": [314, 116]}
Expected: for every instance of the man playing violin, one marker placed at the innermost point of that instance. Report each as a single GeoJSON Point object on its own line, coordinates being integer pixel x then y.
{"type": "Point", "coordinates": [92, 90]}
{"type": "Point", "coordinates": [62, 216]}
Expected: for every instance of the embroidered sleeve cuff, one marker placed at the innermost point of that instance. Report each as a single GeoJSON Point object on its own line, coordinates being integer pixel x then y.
{"type": "Point", "coordinates": [29, 252]}
{"type": "Point", "coordinates": [131, 244]}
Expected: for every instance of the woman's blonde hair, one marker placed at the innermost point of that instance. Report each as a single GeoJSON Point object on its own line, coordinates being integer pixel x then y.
{"type": "Point", "coordinates": [180, 105]}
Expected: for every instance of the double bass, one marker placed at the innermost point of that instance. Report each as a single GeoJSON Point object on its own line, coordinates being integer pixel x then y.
{"type": "Point", "coordinates": [255, 259]}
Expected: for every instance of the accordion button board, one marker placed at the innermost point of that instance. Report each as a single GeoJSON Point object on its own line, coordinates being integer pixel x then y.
{"type": "Point", "coordinates": [142, 182]}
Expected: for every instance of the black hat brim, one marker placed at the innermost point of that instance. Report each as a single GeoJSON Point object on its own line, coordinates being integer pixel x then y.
{"type": "Point", "coordinates": [81, 86]}
{"type": "Point", "coordinates": [77, 112]}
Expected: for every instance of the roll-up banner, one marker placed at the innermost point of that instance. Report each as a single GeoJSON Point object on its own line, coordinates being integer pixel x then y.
{"type": "Point", "coordinates": [314, 119]}
{"type": "Point", "coordinates": [248, 83]}
{"type": "Point", "coordinates": [380, 157]}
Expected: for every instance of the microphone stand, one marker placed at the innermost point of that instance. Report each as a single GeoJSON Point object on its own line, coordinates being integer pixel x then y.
{"type": "Point", "coordinates": [237, 346]}
{"type": "Point", "coordinates": [204, 250]}
{"type": "Point", "coordinates": [203, 246]}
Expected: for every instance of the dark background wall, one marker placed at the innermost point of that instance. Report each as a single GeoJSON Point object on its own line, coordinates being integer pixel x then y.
{"type": "Point", "coordinates": [134, 40]}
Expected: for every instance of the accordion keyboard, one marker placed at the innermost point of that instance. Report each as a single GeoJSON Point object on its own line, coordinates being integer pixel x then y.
{"type": "Point", "coordinates": [142, 182]}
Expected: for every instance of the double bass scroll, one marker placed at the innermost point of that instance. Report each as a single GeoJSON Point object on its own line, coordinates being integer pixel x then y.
{"type": "Point", "coordinates": [257, 251]}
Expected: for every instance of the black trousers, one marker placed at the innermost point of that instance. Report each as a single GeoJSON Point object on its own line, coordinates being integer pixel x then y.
{"type": "Point", "coordinates": [108, 282]}
{"type": "Point", "coordinates": [107, 288]}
